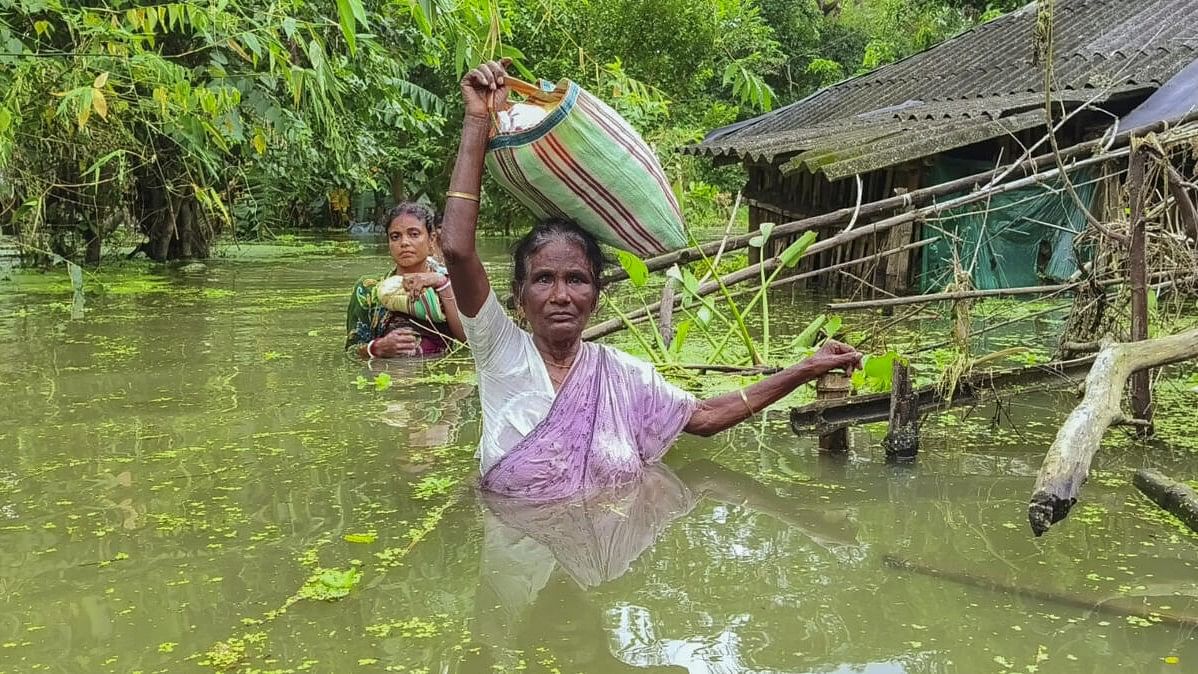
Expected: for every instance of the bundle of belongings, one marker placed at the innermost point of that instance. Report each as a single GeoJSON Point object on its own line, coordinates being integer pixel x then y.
{"type": "Point", "coordinates": [564, 153]}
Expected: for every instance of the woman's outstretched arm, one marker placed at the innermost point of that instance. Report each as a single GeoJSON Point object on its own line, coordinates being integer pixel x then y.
{"type": "Point", "coordinates": [725, 411]}
{"type": "Point", "coordinates": [460, 222]}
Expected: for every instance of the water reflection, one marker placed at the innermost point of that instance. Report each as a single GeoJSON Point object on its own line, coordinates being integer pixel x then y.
{"type": "Point", "coordinates": [539, 562]}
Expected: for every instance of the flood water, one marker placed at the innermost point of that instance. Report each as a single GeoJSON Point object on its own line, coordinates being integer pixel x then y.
{"type": "Point", "coordinates": [193, 471]}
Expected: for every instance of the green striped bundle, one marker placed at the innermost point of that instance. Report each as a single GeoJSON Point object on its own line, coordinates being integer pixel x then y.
{"type": "Point", "coordinates": [584, 163]}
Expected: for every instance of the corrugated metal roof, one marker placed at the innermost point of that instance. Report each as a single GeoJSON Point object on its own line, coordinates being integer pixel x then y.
{"type": "Point", "coordinates": [1103, 48]}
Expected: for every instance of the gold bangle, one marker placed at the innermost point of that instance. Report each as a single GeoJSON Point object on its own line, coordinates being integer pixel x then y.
{"type": "Point", "coordinates": [745, 399]}
{"type": "Point", "coordinates": [463, 195]}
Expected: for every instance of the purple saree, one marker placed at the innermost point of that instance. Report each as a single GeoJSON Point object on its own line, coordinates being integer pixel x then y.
{"type": "Point", "coordinates": [611, 417]}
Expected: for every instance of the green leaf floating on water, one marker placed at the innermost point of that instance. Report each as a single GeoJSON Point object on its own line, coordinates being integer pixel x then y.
{"type": "Point", "coordinates": [368, 537]}
{"type": "Point", "coordinates": [382, 382]}
{"type": "Point", "coordinates": [330, 584]}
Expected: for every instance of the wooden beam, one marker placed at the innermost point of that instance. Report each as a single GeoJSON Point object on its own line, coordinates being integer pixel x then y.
{"type": "Point", "coordinates": [825, 415]}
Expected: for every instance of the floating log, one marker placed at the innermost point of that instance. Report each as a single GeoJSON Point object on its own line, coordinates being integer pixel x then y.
{"type": "Point", "coordinates": [902, 438]}
{"type": "Point", "coordinates": [827, 415]}
{"type": "Point", "coordinates": [1114, 606]}
{"type": "Point", "coordinates": [1067, 463]}
{"type": "Point", "coordinates": [1178, 499]}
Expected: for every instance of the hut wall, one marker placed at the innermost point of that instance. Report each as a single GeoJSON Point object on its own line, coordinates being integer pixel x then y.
{"type": "Point", "coordinates": [774, 197]}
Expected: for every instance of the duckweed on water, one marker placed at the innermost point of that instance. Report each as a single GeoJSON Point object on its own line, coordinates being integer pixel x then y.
{"type": "Point", "coordinates": [167, 491]}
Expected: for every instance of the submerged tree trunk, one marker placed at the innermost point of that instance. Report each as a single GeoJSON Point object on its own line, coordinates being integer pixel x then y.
{"type": "Point", "coordinates": [1176, 498]}
{"type": "Point", "coordinates": [1121, 605]}
{"type": "Point", "coordinates": [175, 226]}
{"type": "Point", "coordinates": [1067, 464]}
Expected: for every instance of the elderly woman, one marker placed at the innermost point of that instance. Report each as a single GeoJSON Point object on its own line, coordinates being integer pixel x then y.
{"type": "Point", "coordinates": [562, 416]}
{"type": "Point", "coordinates": [431, 316]}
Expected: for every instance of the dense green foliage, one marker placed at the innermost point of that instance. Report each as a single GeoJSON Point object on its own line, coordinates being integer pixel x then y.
{"type": "Point", "coordinates": [182, 120]}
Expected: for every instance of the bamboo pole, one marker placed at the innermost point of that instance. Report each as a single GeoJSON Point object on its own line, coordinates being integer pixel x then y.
{"type": "Point", "coordinates": [974, 294]}
{"type": "Point", "coordinates": [1067, 464]}
{"type": "Point", "coordinates": [1029, 166]}
{"type": "Point", "coordinates": [640, 315]}
{"type": "Point", "coordinates": [954, 296]}
{"type": "Point", "coordinates": [1137, 264]}
{"type": "Point", "coordinates": [769, 264]}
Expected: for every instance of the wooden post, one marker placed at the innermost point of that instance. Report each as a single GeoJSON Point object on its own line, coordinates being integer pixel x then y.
{"type": "Point", "coordinates": [1141, 388]}
{"type": "Point", "coordinates": [898, 268]}
{"type": "Point", "coordinates": [832, 386]}
{"type": "Point", "coordinates": [666, 324]}
{"type": "Point", "coordinates": [902, 439]}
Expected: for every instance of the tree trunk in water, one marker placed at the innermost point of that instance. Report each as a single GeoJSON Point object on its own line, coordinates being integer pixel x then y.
{"type": "Point", "coordinates": [1115, 606]}
{"type": "Point", "coordinates": [1178, 499]}
{"type": "Point", "coordinates": [183, 243]}
{"type": "Point", "coordinates": [176, 227]}
{"type": "Point", "coordinates": [162, 227]}
{"type": "Point", "coordinates": [203, 232]}
{"type": "Point", "coordinates": [1067, 463]}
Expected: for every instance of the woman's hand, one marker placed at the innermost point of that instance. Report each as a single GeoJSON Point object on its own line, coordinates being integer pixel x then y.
{"type": "Point", "coordinates": [415, 284]}
{"type": "Point", "coordinates": [725, 411]}
{"type": "Point", "coordinates": [485, 83]}
{"type": "Point", "coordinates": [834, 355]}
{"type": "Point", "coordinates": [399, 342]}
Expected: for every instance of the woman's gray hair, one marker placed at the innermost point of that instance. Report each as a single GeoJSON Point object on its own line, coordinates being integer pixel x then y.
{"type": "Point", "coordinates": [556, 229]}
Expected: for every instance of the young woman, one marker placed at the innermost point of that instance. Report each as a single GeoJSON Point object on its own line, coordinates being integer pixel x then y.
{"type": "Point", "coordinates": [425, 319]}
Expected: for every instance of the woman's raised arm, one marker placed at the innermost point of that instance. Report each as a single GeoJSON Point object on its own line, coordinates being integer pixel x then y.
{"type": "Point", "coordinates": [725, 411]}
{"type": "Point", "coordinates": [460, 223]}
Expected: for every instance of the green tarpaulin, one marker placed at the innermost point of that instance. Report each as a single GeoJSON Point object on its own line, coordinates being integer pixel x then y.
{"type": "Point", "coordinates": [1021, 238]}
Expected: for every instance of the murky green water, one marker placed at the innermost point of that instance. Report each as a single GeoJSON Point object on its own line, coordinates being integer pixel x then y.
{"type": "Point", "coordinates": [182, 466]}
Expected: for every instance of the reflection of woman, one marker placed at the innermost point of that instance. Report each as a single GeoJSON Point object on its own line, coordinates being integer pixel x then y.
{"type": "Point", "coordinates": [565, 547]}
{"type": "Point", "coordinates": [424, 314]}
{"type": "Point", "coordinates": [562, 416]}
